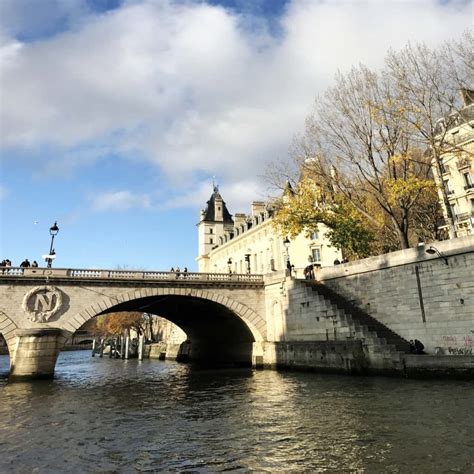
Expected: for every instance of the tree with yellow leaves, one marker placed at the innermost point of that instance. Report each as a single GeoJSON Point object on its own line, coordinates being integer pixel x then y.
{"type": "Point", "coordinates": [360, 148]}
{"type": "Point", "coordinates": [308, 206]}
{"type": "Point", "coordinates": [118, 323]}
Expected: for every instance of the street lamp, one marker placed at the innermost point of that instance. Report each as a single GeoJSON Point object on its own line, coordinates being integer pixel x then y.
{"type": "Point", "coordinates": [53, 231]}
{"type": "Point", "coordinates": [433, 250]}
{"type": "Point", "coordinates": [286, 243]}
{"type": "Point", "coordinates": [229, 264]}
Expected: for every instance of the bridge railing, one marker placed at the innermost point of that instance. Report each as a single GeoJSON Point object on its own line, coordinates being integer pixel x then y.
{"type": "Point", "coordinates": [127, 275]}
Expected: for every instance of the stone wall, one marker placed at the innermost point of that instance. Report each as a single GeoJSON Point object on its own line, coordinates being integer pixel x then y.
{"type": "Point", "coordinates": [417, 295]}
{"type": "Point", "coordinates": [323, 356]}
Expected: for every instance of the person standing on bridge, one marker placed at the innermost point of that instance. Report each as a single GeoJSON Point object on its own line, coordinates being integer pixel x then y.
{"type": "Point", "coordinates": [178, 272]}
{"type": "Point", "coordinates": [25, 263]}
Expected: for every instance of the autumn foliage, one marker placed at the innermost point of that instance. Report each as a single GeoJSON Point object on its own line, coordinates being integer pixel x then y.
{"type": "Point", "coordinates": [364, 162]}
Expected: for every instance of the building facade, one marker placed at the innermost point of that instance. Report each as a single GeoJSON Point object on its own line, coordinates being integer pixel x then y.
{"type": "Point", "coordinates": [455, 175]}
{"type": "Point", "coordinates": [250, 243]}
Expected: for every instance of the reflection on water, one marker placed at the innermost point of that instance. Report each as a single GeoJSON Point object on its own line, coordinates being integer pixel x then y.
{"type": "Point", "coordinates": [111, 415]}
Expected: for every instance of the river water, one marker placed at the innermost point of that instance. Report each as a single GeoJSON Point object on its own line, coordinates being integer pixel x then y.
{"type": "Point", "coordinates": [105, 415]}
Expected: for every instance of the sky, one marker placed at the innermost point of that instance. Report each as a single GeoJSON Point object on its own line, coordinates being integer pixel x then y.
{"type": "Point", "coordinates": [116, 116]}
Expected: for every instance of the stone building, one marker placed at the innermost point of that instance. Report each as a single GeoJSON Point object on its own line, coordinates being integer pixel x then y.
{"type": "Point", "coordinates": [455, 174]}
{"type": "Point", "coordinates": [250, 244]}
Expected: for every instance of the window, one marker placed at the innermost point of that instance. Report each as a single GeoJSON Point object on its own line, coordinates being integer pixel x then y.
{"type": "Point", "coordinates": [447, 187]}
{"type": "Point", "coordinates": [467, 180]}
{"type": "Point", "coordinates": [211, 241]}
{"type": "Point", "coordinates": [316, 254]}
{"type": "Point", "coordinates": [314, 235]}
{"type": "Point", "coordinates": [472, 206]}
{"type": "Point", "coordinates": [210, 231]}
{"type": "Point", "coordinates": [453, 210]}
{"type": "Point", "coordinates": [443, 167]}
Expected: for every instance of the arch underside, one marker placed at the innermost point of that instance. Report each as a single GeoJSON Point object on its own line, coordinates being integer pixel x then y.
{"type": "Point", "coordinates": [217, 334]}
{"type": "Point", "coordinates": [7, 328]}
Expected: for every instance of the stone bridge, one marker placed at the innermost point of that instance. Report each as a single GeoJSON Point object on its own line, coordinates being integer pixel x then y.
{"type": "Point", "coordinates": [223, 315]}
{"type": "Point", "coordinates": [358, 317]}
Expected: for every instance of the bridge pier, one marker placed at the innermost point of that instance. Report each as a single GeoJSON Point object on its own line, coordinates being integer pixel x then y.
{"type": "Point", "coordinates": [257, 355]}
{"type": "Point", "coordinates": [34, 353]}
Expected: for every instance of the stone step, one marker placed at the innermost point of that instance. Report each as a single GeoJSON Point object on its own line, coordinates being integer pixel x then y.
{"type": "Point", "coordinates": [378, 337]}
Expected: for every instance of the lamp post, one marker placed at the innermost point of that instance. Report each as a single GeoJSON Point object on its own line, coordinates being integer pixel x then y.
{"type": "Point", "coordinates": [53, 231]}
{"type": "Point", "coordinates": [229, 264]}
{"type": "Point", "coordinates": [433, 250]}
{"type": "Point", "coordinates": [286, 243]}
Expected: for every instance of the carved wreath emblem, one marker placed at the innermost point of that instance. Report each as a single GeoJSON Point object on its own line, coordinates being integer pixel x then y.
{"type": "Point", "coordinates": [41, 303]}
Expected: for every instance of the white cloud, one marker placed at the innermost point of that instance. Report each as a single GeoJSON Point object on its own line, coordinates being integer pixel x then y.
{"type": "Point", "coordinates": [236, 194]}
{"type": "Point", "coordinates": [190, 88]}
{"type": "Point", "coordinates": [119, 201]}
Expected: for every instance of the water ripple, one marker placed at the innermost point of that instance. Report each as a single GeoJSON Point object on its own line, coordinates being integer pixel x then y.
{"type": "Point", "coordinates": [103, 415]}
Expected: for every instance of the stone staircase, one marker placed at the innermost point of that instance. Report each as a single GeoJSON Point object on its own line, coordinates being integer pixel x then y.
{"type": "Point", "coordinates": [385, 349]}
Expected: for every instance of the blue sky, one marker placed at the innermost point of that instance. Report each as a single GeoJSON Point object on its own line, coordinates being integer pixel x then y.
{"type": "Point", "coordinates": [116, 115]}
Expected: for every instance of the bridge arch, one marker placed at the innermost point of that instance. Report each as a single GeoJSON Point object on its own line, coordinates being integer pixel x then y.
{"type": "Point", "coordinates": [219, 327]}
{"type": "Point", "coordinates": [255, 322]}
{"type": "Point", "coordinates": [7, 329]}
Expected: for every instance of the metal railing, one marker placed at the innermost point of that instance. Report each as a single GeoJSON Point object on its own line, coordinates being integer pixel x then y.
{"type": "Point", "coordinates": [464, 216]}
{"type": "Point", "coordinates": [78, 274]}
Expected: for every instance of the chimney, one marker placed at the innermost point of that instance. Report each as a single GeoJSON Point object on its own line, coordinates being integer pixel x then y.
{"type": "Point", "coordinates": [258, 207]}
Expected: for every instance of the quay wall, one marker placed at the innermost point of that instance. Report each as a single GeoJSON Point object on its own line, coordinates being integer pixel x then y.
{"type": "Point", "coordinates": [416, 295]}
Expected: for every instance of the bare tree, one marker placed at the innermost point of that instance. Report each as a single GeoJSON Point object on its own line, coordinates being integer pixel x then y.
{"type": "Point", "coordinates": [373, 138]}
{"type": "Point", "coordinates": [365, 150]}
{"type": "Point", "coordinates": [427, 85]}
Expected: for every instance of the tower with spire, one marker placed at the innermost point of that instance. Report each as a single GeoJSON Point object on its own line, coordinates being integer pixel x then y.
{"type": "Point", "coordinates": [215, 221]}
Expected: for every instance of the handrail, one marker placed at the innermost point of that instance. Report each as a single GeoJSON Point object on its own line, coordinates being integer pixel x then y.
{"type": "Point", "coordinates": [78, 274]}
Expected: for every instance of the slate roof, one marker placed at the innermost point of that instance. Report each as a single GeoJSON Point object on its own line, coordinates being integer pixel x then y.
{"type": "Point", "coordinates": [210, 210]}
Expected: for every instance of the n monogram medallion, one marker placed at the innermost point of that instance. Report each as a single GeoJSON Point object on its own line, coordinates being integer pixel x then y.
{"type": "Point", "coordinates": [42, 302]}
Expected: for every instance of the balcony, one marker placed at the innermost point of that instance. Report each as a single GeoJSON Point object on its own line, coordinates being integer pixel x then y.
{"type": "Point", "coordinates": [463, 217]}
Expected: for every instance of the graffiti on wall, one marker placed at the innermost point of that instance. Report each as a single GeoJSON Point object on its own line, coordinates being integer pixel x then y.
{"type": "Point", "coordinates": [456, 345]}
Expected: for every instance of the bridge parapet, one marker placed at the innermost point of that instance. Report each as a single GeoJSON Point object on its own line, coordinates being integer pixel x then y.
{"type": "Point", "coordinates": [97, 274]}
